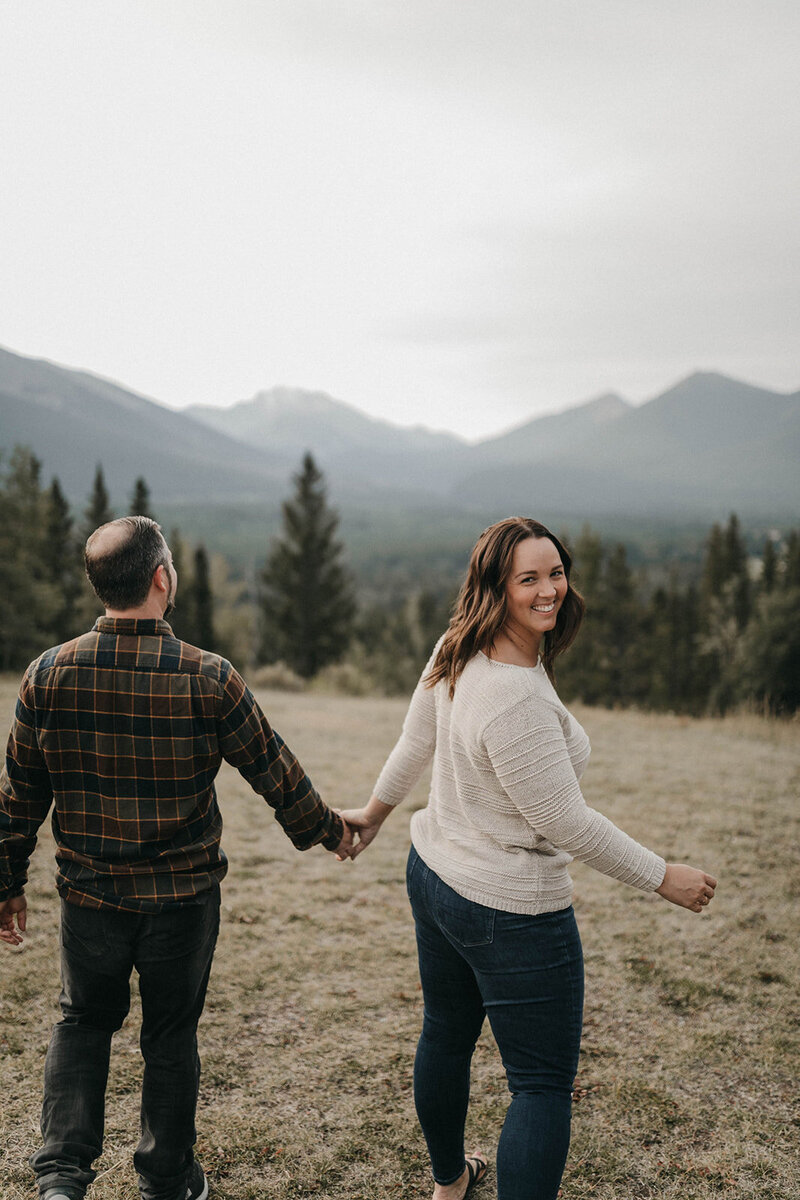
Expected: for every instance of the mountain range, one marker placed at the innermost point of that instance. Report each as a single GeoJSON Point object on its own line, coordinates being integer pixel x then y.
{"type": "Point", "coordinates": [703, 448]}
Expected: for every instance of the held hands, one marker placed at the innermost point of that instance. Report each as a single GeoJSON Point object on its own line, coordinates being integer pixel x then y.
{"type": "Point", "coordinates": [15, 906]}
{"type": "Point", "coordinates": [345, 848]}
{"type": "Point", "coordinates": [687, 887]}
{"type": "Point", "coordinates": [366, 822]}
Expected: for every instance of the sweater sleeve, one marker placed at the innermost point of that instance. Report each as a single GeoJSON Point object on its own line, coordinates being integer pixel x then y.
{"type": "Point", "coordinates": [529, 754]}
{"type": "Point", "coordinates": [415, 746]}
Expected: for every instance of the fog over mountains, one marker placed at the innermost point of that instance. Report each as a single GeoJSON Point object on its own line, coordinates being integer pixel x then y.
{"type": "Point", "coordinates": [705, 447]}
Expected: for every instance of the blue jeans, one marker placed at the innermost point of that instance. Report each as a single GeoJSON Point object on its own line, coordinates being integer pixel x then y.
{"type": "Point", "coordinates": [172, 952]}
{"type": "Point", "coordinates": [526, 974]}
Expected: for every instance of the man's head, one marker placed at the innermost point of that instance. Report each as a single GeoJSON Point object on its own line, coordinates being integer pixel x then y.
{"type": "Point", "coordinates": [124, 559]}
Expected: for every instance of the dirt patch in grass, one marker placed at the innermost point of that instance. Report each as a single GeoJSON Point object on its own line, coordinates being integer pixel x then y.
{"type": "Point", "coordinates": [687, 1084]}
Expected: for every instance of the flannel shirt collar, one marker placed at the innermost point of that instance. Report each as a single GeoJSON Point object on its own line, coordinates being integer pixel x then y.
{"type": "Point", "coordinates": [139, 628]}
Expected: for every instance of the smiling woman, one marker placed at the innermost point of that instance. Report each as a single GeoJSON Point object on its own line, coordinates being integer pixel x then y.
{"type": "Point", "coordinates": [488, 872]}
{"type": "Point", "coordinates": [537, 584]}
{"type": "Point", "coordinates": [535, 591]}
{"type": "Point", "coordinates": [516, 604]}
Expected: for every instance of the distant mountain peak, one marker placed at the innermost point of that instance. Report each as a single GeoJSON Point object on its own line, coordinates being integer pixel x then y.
{"type": "Point", "coordinates": [545, 431]}
{"type": "Point", "coordinates": [606, 407]}
{"type": "Point", "coordinates": [300, 398]}
{"type": "Point", "coordinates": [713, 386]}
{"type": "Point", "coordinates": [709, 444]}
{"type": "Point", "coordinates": [283, 402]}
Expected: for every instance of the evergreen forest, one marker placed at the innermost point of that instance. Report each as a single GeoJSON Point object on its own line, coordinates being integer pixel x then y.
{"type": "Point", "coordinates": [722, 635]}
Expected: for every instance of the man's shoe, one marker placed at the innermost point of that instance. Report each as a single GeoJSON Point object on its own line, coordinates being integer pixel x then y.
{"type": "Point", "coordinates": [57, 1194]}
{"type": "Point", "coordinates": [198, 1184]}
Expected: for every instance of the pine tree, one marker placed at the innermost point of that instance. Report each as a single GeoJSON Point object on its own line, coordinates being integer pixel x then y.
{"type": "Point", "coordinates": [27, 598]}
{"type": "Point", "coordinates": [98, 511]}
{"type": "Point", "coordinates": [791, 560]}
{"type": "Point", "coordinates": [203, 604]}
{"type": "Point", "coordinates": [62, 561]}
{"type": "Point", "coordinates": [307, 601]}
{"type": "Point", "coordinates": [687, 627]}
{"type": "Point", "coordinates": [140, 500]}
{"type": "Point", "coordinates": [620, 620]}
{"type": "Point", "coordinates": [770, 652]}
{"type": "Point", "coordinates": [588, 560]}
{"type": "Point", "coordinates": [715, 572]}
{"type": "Point", "coordinates": [182, 619]}
{"type": "Point", "coordinates": [736, 573]}
{"type": "Point", "coordinates": [725, 613]}
{"type": "Point", "coordinates": [769, 567]}
{"type": "Point", "coordinates": [657, 636]}
{"type": "Point", "coordinates": [667, 651]}
{"type": "Point", "coordinates": [579, 672]}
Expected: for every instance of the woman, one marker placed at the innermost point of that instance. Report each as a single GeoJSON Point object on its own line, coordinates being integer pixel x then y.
{"type": "Point", "coordinates": [487, 872]}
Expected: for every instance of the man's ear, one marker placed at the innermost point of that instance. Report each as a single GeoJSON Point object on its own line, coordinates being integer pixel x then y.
{"type": "Point", "coordinates": [161, 578]}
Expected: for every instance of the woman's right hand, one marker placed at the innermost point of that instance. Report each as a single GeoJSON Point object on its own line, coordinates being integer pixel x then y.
{"type": "Point", "coordinates": [687, 886]}
{"type": "Point", "coordinates": [366, 821]}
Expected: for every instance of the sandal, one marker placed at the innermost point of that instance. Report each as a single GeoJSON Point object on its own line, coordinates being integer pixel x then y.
{"type": "Point", "coordinates": [476, 1173]}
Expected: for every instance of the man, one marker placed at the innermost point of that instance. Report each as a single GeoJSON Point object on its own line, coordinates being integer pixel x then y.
{"type": "Point", "coordinates": [123, 731]}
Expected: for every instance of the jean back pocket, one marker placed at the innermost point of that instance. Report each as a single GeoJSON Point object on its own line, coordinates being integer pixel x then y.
{"type": "Point", "coordinates": [462, 921]}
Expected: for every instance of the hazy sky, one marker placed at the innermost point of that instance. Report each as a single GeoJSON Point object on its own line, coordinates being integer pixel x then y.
{"type": "Point", "coordinates": [461, 213]}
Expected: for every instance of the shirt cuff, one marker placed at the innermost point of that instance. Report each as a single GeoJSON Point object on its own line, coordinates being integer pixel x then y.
{"type": "Point", "coordinates": [11, 893]}
{"type": "Point", "coordinates": [336, 833]}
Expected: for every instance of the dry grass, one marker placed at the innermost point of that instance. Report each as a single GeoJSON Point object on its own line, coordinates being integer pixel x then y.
{"type": "Point", "coordinates": [690, 1063]}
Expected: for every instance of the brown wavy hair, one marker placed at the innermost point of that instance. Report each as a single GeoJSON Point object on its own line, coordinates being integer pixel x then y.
{"type": "Point", "coordinates": [480, 610]}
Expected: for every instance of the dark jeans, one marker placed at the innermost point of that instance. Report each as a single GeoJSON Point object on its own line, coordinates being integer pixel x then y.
{"type": "Point", "coordinates": [172, 952]}
{"type": "Point", "coordinates": [526, 974]}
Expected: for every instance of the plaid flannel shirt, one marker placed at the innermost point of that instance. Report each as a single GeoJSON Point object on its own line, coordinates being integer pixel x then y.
{"type": "Point", "coordinates": [123, 730]}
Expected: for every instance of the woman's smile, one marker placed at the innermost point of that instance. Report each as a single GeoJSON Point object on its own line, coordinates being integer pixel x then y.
{"type": "Point", "coordinates": [535, 588]}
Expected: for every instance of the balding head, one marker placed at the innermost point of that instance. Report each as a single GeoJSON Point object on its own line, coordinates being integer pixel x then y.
{"type": "Point", "coordinates": [120, 559]}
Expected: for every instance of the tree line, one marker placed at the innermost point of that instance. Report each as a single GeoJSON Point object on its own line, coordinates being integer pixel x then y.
{"type": "Point", "coordinates": [728, 635]}
{"type": "Point", "coordinates": [725, 634]}
{"type": "Point", "coordinates": [45, 598]}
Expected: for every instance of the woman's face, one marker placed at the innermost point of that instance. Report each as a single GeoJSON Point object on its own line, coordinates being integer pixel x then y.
{"type": "Point", "coordinates": [535, 588]}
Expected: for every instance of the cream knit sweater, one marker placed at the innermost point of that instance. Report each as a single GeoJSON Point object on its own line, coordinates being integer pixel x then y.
{"type": "Point", "coordinates": [505, 814]}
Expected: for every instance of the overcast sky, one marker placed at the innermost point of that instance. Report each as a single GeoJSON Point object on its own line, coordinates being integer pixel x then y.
{"type": "Point", "coordinates": [460, 213]}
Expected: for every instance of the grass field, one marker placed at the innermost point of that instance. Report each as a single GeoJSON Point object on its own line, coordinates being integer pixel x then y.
{"type": "Point", "coordinates": [688, 1081]}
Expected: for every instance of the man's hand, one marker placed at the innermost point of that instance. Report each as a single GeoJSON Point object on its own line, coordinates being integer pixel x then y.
{"type": "Point", "coordinates": [687, 887]}
{"type": "Point", "coordinates": [366, 821]}
{"type": "Point", "coordinates": [345, 848]}
{"type": "Point", "coordinates": [16, 906]}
